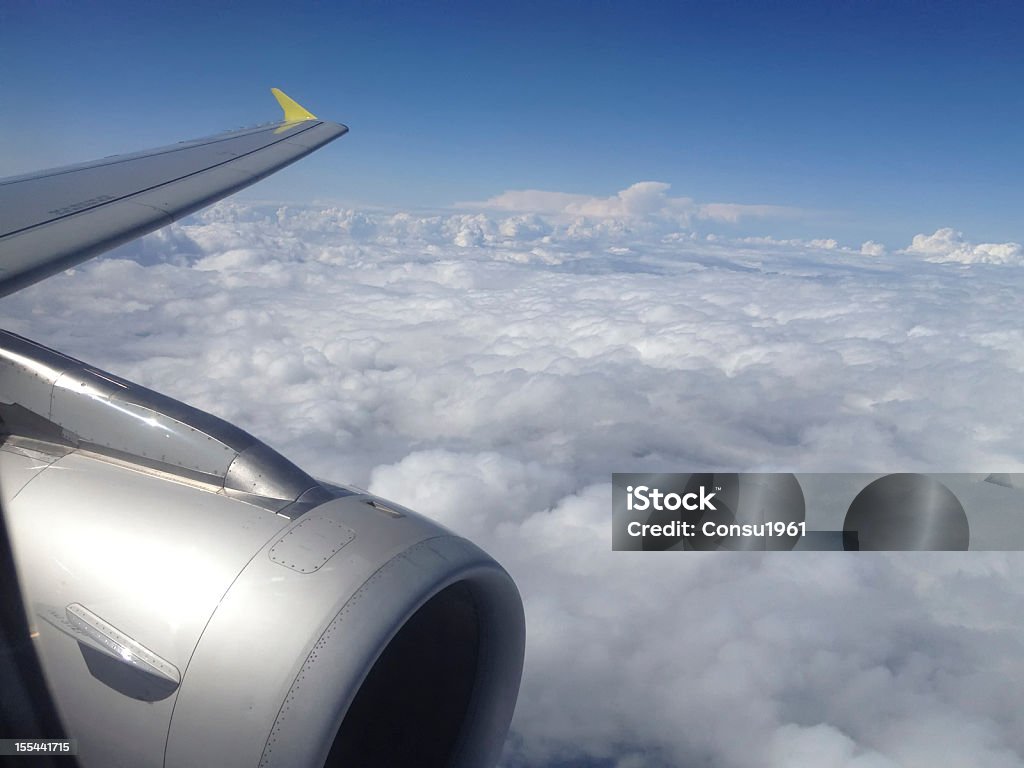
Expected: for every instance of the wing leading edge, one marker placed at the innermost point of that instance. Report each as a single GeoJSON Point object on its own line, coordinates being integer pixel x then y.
{"type": "Point", "coordinates": [54, 219]}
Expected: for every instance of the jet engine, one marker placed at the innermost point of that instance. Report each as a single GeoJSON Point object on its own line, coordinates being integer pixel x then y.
{"type": "Point", "coordinates": [197, 599]}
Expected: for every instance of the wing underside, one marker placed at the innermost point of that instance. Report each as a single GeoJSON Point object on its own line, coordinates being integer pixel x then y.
{"type": "Point", "coordinates": [54, 219]}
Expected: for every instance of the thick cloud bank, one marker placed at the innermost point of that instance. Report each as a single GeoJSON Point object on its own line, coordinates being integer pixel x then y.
{"type": "Point", "coordinates": [493, 367]}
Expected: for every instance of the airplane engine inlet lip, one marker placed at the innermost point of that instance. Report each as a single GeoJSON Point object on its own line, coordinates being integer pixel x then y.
{"type": "Point", "coordinates": [342, 658]}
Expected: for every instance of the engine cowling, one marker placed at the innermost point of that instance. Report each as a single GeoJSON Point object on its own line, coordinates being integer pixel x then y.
{"type": "Point", "coordinates": [198, 600]}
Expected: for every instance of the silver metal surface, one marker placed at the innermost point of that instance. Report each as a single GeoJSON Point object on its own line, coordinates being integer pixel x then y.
{"type": "Point", "coordinates": [152, 557]}
{"type": "Point", "coordinates": [356, 602]}
{"type": "Point", "coordinates": [309, 545]}
{"type": "Point", "coordinates": [85, 407]}
{"type": "Point", "coordinates": [54, 219]}
{"type": "Point", "coordinates": [1006, 479]}
{"type": "Point", "coordinates": [21, 460]}
{"type": "Point", "coordinates": [278, 620]}
{"type": "Point", "coordinates": [86, 627]}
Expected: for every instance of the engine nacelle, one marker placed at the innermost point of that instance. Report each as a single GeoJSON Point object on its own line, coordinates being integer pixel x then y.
{"type": "Point", "coordinates": [186, 617]}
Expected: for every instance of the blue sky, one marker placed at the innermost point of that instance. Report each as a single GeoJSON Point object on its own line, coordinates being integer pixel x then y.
{"type": "Point", "coordinates": [492, 370]}
{"type": "Point", "coordinates": [878, 120]}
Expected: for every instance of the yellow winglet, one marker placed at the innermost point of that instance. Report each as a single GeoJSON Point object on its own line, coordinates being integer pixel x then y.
{"type": "Point", "coordinates": [293, 111]}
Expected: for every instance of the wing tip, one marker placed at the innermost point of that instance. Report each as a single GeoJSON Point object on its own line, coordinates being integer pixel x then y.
{"type": "Point", "coordinates": [293, 111]}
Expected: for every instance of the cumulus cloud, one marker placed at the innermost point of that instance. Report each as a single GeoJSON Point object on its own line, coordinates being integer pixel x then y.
{"type": "Point", "coordinates": [644, 198]}
{"type": "Point", "coordinates": [491, 367]}
{"type": "Point", "coordinates": [871, 248]}
{"type": "Point", "coordinates": [947, 244]}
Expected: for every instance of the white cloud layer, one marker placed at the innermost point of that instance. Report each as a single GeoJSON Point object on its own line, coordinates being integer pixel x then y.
{"type": "Point", "coordinates": [491, 368]}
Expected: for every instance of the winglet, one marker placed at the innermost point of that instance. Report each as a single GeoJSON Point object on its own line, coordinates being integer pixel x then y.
{"type": "Point", "coordinates": [293, 111]}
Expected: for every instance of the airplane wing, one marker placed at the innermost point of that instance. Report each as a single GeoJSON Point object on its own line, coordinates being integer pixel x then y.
{"type": "Point", "coordinates": [54, 219]}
